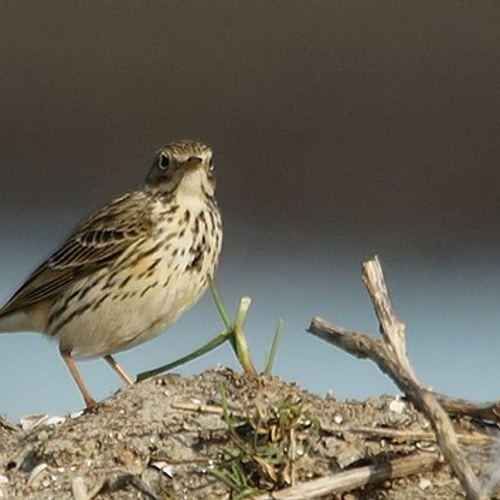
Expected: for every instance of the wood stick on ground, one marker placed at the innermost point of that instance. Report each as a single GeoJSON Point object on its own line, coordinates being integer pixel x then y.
{"type": "Point", "coordinates": [390, 355]}
{"type": "Point", "coordinates": [406, 435]}
{"type": "Point", "coordinates": [349, 480]}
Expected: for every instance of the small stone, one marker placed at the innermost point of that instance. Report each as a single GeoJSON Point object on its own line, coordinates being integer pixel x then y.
{"type": "Point", "coordinates": [338, 418]}
{"type": "Point", "coordinates": [397, 406]}
{"type": "Point", "coordinates": [424, 484]}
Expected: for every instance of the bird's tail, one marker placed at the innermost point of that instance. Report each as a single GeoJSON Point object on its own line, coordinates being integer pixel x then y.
{"type": "Point", "coordinates": [15, 322]}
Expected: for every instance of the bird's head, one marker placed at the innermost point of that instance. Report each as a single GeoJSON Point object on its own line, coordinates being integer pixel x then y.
{"type": "Point", "coordinates": [184, 168]}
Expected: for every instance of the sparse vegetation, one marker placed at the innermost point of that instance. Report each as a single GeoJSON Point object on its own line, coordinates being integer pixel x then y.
{"type": "Point", "coordinates": [265, 446]}
{"type": "Point", "coordinates": [234, 333]}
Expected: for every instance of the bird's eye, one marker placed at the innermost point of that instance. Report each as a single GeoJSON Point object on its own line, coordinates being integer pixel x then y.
{"type": "Point", "coordinates": [163, 160]}
{"type": "Point", "coordinates": [211, 165]}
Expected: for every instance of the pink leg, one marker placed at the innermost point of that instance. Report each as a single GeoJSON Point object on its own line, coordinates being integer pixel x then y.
{"type": "Point", "coordinates": [118, 369]}
{"type": "Point", "coordinates": [70, 362]}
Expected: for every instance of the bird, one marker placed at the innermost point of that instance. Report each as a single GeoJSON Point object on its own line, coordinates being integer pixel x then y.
{"type": "Point", "coordinates": [131, 269]}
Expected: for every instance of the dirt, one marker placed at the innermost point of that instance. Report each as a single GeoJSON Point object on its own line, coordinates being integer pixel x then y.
{"type": "Point", "coordinates": [189, 438]}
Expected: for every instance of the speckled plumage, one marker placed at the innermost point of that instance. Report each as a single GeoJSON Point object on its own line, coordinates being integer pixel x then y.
{"type": "Point", "coordinates": [130, 270]}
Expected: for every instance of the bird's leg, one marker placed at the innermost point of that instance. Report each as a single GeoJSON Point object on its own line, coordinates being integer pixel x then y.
{"type": "Point", "coordinates": [70, 362]}
{"type": "Point", "coordinates": [118, 369]}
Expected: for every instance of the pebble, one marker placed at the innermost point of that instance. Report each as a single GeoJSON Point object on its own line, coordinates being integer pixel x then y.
{"type": "Point", "coordinates": [424, 484]}
{"type": "Point", "coordinates": [338, 418]}
{"type": "Point", "coordinates": [397, 406]}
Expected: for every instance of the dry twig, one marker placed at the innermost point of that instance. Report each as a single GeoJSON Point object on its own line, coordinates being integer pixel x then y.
{"type": "Point", "coordinates": [364, 346]}
{"type": "Point", "coordinates": [356, 478]}
{"type": "Point", "coordinates": [390, 356]}
{"type": "Point", "coordinates": [406, 435]}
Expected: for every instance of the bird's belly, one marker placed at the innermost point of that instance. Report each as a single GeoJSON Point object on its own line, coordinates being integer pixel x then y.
{"type": "Point", "coordinates": [115, 320]}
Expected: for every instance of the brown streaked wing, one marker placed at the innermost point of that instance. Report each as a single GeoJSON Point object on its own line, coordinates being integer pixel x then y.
{"type": "Point", "coordinates": [95, 243]}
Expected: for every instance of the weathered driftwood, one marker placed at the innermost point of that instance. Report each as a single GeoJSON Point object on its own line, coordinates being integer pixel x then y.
{"type": "Point", "coordinates": [355, 478]}
{"type": "Point", "coordinates": [390, 356]}
{"type": "Point", "coordinates": [363, 346]}
{"type": "Point", "coordinates": [407, 436]}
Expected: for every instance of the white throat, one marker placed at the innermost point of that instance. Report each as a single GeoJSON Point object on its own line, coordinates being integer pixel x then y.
{"type": "Point", "coordinates": [189, 193]}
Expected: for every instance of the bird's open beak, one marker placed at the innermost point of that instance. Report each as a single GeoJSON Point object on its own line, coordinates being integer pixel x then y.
{"type": "Point", "coordinates": [192, 163]}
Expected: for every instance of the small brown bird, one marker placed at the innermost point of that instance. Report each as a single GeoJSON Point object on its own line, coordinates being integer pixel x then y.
{"type": "Point", "coordinates": [131, 269]}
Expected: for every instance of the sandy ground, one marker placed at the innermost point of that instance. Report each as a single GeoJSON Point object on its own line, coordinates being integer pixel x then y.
{"type": "Point", "coordinates": [217, 435]}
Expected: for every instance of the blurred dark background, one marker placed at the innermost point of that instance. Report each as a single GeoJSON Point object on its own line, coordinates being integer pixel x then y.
{"type": "Point", "coordinates": [340, 129]}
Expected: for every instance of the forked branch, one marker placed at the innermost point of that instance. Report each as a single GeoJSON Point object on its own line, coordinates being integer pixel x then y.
{"type": "Point", "coordinates": [391, 357]}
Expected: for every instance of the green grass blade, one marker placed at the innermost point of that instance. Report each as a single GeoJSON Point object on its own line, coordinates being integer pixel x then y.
{"type": "Point", "coordinates": [220, 305]}
{"type": "Point", "coordinates": [209, 346]}
{"type": "Point", "coordinates": [271, 355]}
{"type": "Point", "coordinates": [240, 343]}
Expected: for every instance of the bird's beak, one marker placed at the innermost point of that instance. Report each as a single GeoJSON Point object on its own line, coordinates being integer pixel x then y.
{"type": "Point", "coordinates": [192, 163]}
